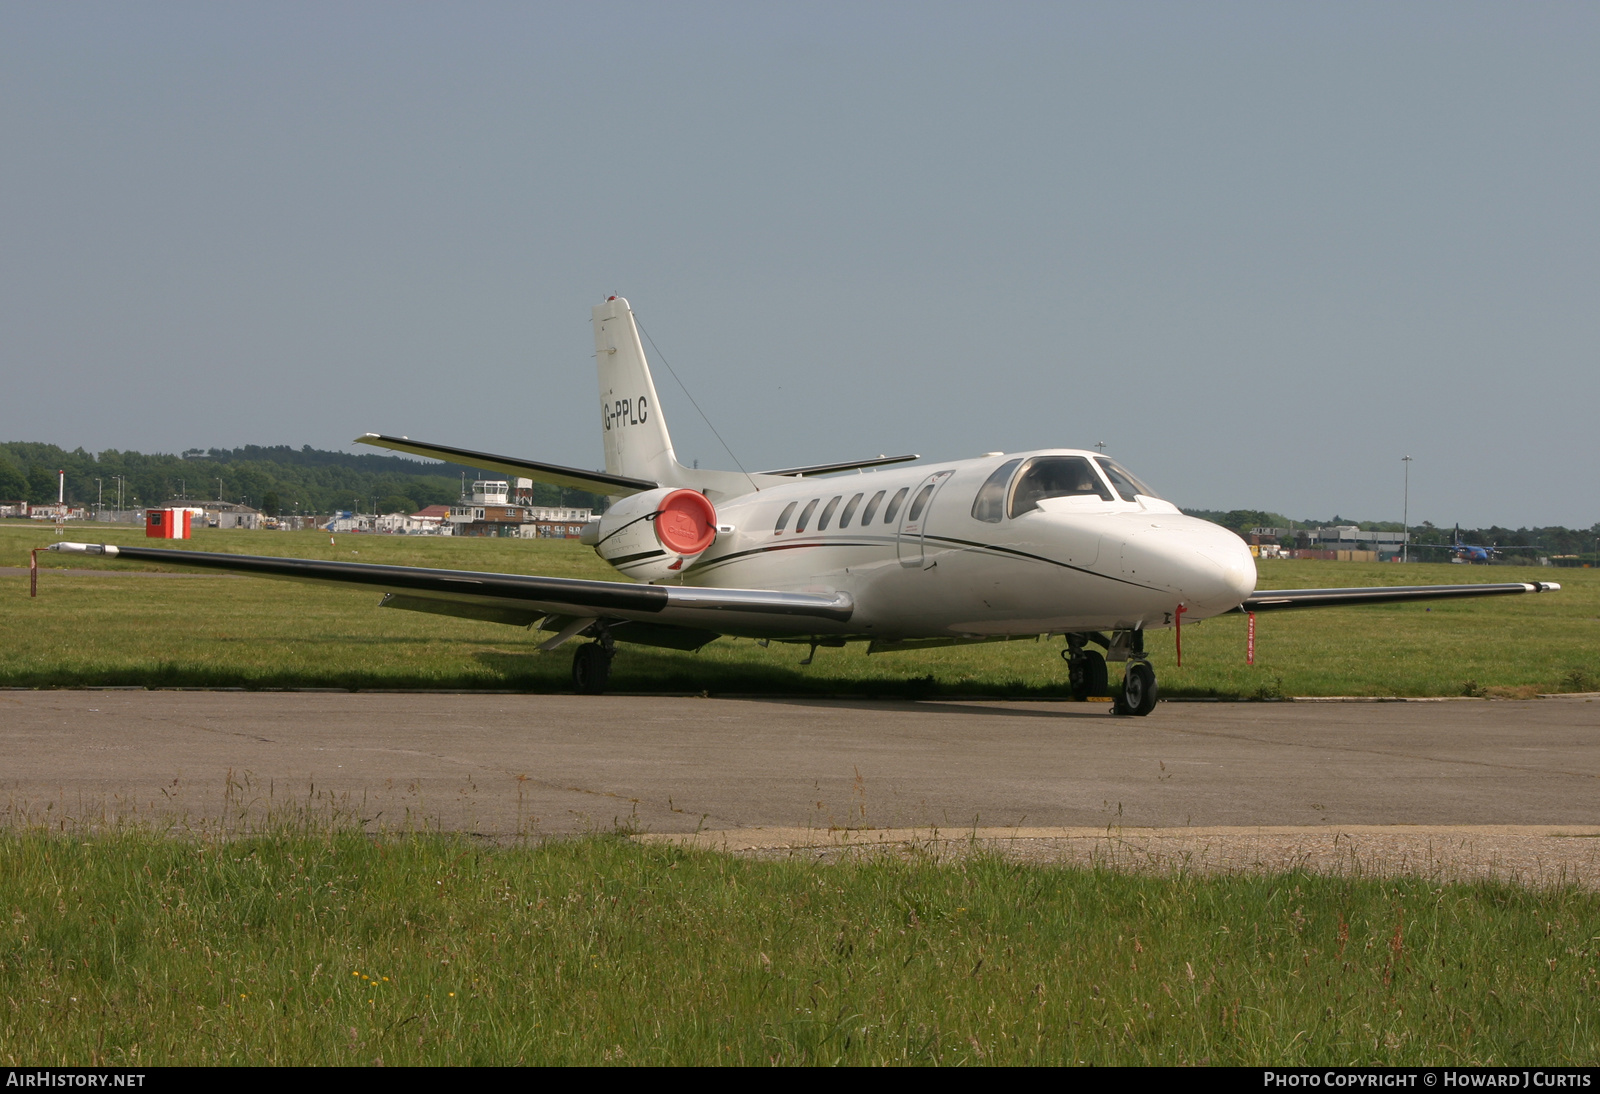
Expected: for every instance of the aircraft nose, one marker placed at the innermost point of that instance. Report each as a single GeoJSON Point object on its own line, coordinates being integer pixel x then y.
{"type": "Point", "coordinates": [1232, 555]}
{"type": "Point", "coordinates": [1208, 568]}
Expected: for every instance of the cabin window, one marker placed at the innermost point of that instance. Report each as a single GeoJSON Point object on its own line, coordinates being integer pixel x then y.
{"type": "Point", "coordinates": [849, 511]}
{"type": "Point", "coordinates": [894, 504]}
{"type": "Point", "coordinates": [805, 515]}
{"type": "Point", "coordinates": [922, 500]}
{"type": "Point", "coordinates": [783, 518]}
{"type": "Point", "coordinates": [1125, 484]}
{"type": "Point", "coordinates": [872, 507]}
{"type": "Point", "coordinates": [1055, 477]}
{"type": "Point", "coordinates": [990, 504]}
{"type": "Point", "coordinates": [827, 512]}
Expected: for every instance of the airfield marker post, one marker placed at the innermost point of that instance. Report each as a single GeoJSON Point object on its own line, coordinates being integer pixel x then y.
{"type": "Point", "coordinates": [1250, 639]}
{"type": "Point", "coordinates": [33, 572]}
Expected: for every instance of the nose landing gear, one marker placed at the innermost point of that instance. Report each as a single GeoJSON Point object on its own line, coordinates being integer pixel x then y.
{"type": "Point", "coordinates": [1086, 671]}
{"type": "Point", "coordinates": [1138, 695]}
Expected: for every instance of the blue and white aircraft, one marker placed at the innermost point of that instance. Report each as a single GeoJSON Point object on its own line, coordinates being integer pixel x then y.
{"type": "Point", "coordinates": [1062, 542]}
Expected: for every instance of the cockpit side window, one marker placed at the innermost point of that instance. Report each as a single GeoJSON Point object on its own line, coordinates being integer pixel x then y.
{"type": "Point", "coordinates": [990, 504]}
{"type": "Point", "coordinates": [1055, 477]}
{"type": "Point", "coordinates": [1126, 484]}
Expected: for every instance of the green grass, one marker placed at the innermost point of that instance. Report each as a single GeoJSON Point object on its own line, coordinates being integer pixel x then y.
{"type": "Point", "coordinates": [210, 630]}
{"type": "Point", "coordinates": [306, 948]}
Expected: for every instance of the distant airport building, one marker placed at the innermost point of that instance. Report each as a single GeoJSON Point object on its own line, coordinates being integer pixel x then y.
{"type": "Point", "coordinates": [1349, 537]}
{"type": "Point", "coordinates": [494, 510]}
{"type": "Point", "coordinates": [228, 514]}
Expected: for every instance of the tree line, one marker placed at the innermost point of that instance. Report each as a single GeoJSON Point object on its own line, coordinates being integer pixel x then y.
{"type": "Point", "coordinates": [1554, 540]}
{"type": "Point", "coordinates": [276, 479]}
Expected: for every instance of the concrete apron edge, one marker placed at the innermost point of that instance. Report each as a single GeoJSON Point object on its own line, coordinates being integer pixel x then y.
{"type": "Point", "coordinates": [759, 839]}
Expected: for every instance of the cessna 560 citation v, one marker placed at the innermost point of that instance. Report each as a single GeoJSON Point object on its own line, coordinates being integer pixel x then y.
{"type": "Point", "coordinates": [1060, 542]}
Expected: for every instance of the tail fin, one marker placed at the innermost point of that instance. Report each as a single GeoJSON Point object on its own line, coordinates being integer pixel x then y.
{"type": "Point", "coordinates": [632, 423]}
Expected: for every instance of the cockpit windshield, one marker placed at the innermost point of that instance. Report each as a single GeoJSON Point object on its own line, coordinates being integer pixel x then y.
{"type": "Point", "coordinates": [1054, 477]}
{"type": "Point", "coordinates": [1126, 484]}
{"type": "Point", "coordinates": [990, 504]}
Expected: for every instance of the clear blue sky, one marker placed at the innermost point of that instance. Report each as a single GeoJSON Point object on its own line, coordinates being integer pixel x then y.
{"type": "Point", "coordinates": [1260, 250]}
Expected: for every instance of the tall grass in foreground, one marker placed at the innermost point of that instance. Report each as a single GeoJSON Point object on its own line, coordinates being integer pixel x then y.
{"type": "Point", "coordinates": [131, 948]}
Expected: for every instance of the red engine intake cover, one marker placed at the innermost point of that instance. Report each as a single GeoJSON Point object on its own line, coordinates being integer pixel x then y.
{"type": "Point", "coordinates": [686, 523]}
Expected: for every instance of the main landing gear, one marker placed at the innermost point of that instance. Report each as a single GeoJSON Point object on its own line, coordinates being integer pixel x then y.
{"type": "Point", "coordinates": [1086, 670]}
{"type": "Point", "coordinates": [591, 667]}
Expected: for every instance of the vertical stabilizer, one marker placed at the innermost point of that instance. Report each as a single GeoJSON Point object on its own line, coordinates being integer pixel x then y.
{"type": "Point", "coordinates": [631, 420]}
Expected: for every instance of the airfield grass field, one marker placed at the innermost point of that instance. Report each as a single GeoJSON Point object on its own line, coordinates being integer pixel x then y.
{"type": "Point", "coordinates": [299, 947]}
{"type": "Point", "coordinates": [208, 630]}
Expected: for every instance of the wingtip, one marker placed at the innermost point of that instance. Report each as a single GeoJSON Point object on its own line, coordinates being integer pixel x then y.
{"type": "Point", "coordinates": [84, 549]}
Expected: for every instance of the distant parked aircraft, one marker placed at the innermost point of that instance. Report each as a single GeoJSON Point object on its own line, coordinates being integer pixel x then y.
{"type": "Point", "coordinates": [1468, 552]}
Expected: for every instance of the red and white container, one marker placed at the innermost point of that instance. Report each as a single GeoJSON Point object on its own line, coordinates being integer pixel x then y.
{"type": "Point", "coordinates": [167, 523]}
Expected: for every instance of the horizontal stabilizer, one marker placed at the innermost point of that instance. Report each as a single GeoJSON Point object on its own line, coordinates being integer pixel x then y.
{"type": "Point", "coordinates": [853, 465]}
{"type": "Point", "coordinates": [594, 482]}
{"type": "Point", "coordinates": [1266, 600]}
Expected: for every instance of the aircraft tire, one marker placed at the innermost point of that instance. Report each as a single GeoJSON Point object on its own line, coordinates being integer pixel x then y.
{"type": "Point", "coordinates": [1087, 675]}
{"type": "Point", "coordinates": [591, 669]}
{"type": "Point", "coordinates": [1138, 694]}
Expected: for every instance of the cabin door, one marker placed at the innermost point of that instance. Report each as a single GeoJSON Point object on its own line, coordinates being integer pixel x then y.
{"type": "Point", "coordinates": [912, 542]}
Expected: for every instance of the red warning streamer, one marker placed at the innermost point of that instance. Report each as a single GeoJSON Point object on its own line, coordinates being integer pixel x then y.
{"type": "Point", "coordinates": [1177, 632]}
{"type": "Point", "coordinates": [33, 573]}
{"type": "Point", "coordinates": [1250, 639]}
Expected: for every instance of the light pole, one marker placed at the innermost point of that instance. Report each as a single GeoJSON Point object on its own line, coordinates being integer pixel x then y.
{"type": "Point", "coordinates": [1405, 515]}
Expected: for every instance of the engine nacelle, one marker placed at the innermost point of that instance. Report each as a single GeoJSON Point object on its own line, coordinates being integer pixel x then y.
{"type": "Point", "coordinates": [654, 535]}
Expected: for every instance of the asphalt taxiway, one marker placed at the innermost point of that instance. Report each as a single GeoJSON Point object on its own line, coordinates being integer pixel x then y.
{"type": "Point", "coordinates": [552, 764]}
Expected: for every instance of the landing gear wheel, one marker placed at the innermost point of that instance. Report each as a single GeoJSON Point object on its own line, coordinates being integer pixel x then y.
{"type": "Point", "coordinates": [1087, 675]}
{"type": "Point", "coordinates": [1138, 695]}
{"type": "Point", "coordinates": [591, 669]}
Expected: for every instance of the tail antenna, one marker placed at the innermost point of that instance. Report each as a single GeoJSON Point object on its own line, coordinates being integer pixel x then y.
{"type": "Point", "coordinates": [663, 359]}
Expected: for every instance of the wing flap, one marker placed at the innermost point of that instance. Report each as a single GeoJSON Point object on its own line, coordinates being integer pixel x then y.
{"type": "Point", "coordinates": [1266, 600]}
{"type": "Point", "coordinates": [595, 482]}
{"type": "Point", "coordinates": [463, 609]}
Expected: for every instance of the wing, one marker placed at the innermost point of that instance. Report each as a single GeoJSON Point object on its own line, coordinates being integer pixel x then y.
{"type": "Point", "coordinates": [1267, 600]}
{"type": "Point", "coordinates": [676, 616]}
{"type": "Point", "coordinates": [827, 468]}
{"type": "Point", "coordinates": [595, 482]}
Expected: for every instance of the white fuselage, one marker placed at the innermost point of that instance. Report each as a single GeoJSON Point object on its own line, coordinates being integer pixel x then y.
{"type": "Point", "coordinates": [1073, 563]}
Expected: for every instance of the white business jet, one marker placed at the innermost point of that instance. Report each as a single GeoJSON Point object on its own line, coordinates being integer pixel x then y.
{"type": "Point", "coordinates": [1054, 542]}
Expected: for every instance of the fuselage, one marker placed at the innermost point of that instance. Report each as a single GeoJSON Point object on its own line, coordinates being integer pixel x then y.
{"type": "Point", "coordinates": [1054, 540]}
